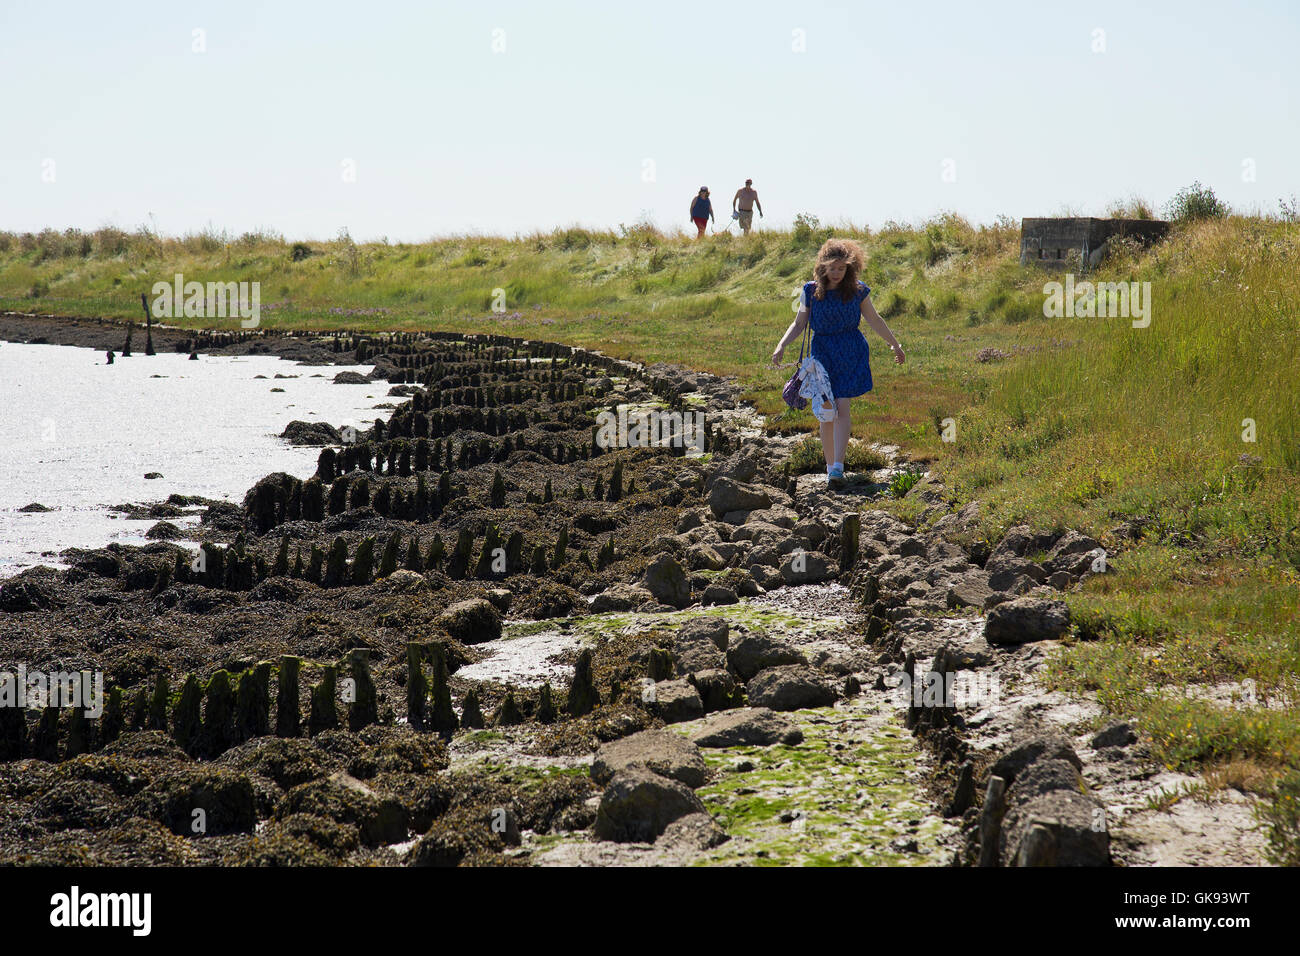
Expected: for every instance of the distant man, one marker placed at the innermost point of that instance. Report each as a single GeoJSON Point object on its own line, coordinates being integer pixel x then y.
{"type": "Point", "coordinates": [747, 197]}
{"type": "Point", "coordinates": [702, 210]}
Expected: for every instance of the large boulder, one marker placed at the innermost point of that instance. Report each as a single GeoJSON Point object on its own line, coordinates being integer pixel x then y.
{"type": "Point", "coordinates": [791, 687]}
{"type": "Point", "coordinates": [754, 652]}
{"type": "Point", "coordinates": [666, 580]}
{"type": "Point", "coordinates": [471, 622]}
{"type": "Point", "coordinates": [1058, 828]}
{"type": "Point", "coordinates": [750, 727]}
{"type": "Point", "coordinates": [729, 495]}
{"type": "Point", "coordinates": [621, 597]}
{"type": "Point", "coordinates": [310, 433]}
{"type": "Point", "coordinates": [664, 752]}
{"type": "Point", "coordinates": [717, 689]}
{"type": "Point", "coordinates": [638, 805]}
{"type": "Point", "coordinates": [676, 700]}
{"type": "Point", "coordinates": [1026, 619]}
{"type": "Point", "coordinates": [695, 646]}
{"type": "Point", "coordinates": [808, 567]}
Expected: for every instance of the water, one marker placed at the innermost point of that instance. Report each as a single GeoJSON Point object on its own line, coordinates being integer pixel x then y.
{"type": "Point", "coordinates": [79, 435]}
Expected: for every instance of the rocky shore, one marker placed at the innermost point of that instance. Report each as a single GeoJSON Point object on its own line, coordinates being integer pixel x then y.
{"type": "Point", "coordinates": [481, 635]}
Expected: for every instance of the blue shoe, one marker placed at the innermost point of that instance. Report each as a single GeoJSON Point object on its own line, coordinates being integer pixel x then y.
{"type": "Point", "coordinates": [835, 476]}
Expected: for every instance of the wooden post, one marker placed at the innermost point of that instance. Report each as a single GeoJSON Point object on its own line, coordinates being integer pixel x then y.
{"type": "Point", "coordinates": [287, 722]}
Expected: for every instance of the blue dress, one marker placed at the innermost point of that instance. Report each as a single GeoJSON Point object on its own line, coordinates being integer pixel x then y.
{"type": "Point", "coordinates": [836, 340]}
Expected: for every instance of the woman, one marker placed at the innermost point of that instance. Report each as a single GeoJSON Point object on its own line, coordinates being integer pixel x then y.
{"type": "Point", "coordinates": [702, 210]}
{"type": "Point", "coordinates": [833, 304]}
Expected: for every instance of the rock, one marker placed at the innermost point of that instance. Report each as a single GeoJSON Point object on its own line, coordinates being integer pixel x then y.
{"type": "Point", "coordinates": [638, 805]}
{"type": "Point", "coordinates": [1026, 619]}
{"type": "Point", "coordinates": [225, 797]}
{"type": "Point", "coordinates": [310, 433]}
{"type": "Point", "coordinates": [1059, 828]}
{"type": "Point", "coordinates": [500, 598]}
{"type": "Point", "coordinates": [717, 689]}
{"type": "Point", "coordinates": [163, 531]}
{"type": "Point", "coordinates": [666, 581]}
{"type": "Point", "coordinates": [754, 652]}
{"type": "Point", "coordinates": [34, 508]}
{"type": "Point", "coordinates": [714, 629]}
{"type": "Point", "coordinates": [811, 531]}
{"type": "Point", "coordinates": [471, 622]}
{"type": "Point", "coordinates": [969, 590]}
{"type": "Point", "coordinates": [716, 594]}
{"type": "Point", "coordinates": [1118, 734]}
{"type": "Point", "coordinates": [1005, 570]}
{"type": "Point", "coordinates": [1067, 551]}
{"type": "Point", "coordinates": [621, 597]}
{"type": "Point", "coordinates": [350, 378]}
{"type": "Point", "coordinates": [676, 700]}
{"type": "Point", "coordinates": [1027, 750]}
{"type": "Point", "coordinates": [99, 561]}
{"type": "Point", "coordinates": [691, 520]}
{"type": "Point", "coordinates": [791, 687]}
{"type": "Point", "coordinates": [695, 650]}
{"type": "Point", "coordinates": [343, 798]}
{"type": "Point", "coordinates": [729, 495]}
{"type": "Point", "coordinates": [1061, 580]}
{"type": "Point", "coordinates": [152, 475]}
{"type": "Point", "coordinates": [807, 567]}
{"type": "Point", "coordinates": [912, 546]}
{"type": "Point", "coordinates": [701, 557]}
{"type": "Point", "coordinates": [403, 581]}
{"type": "Point", "coordinates": [695, 831]}
{"type": "Point", "coordinates": [750, 727]}
{"type": "Point", "coordinates": [664, 752]}
{"type": "Point", "coordinates": [17, 595]}
{"type": "Point", "coordinates": [768, 578]}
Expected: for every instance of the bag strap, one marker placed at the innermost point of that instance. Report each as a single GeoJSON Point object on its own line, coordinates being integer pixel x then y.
{"type": "Point", "coordinates": [807, 326]}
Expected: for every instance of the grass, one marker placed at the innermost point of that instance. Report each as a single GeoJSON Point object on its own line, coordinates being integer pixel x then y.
{"type": "Point", "coordinates": [1189, 427]}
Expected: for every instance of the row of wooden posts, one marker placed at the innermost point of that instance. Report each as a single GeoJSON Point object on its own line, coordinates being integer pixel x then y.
{"type": "Point", "coordinates": [207, 720]}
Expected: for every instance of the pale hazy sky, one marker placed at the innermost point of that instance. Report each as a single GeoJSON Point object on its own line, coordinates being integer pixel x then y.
{"type": "Point", "coordinates": [504, 117]}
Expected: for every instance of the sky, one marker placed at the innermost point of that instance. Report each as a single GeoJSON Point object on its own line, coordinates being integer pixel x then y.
{"type": "Point", "coordinates": [406, 120]}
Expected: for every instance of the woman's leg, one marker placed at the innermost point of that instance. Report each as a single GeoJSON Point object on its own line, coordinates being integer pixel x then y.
{"type": "Point", "coordinates": [842, 427]}
{"type": "Point", "coordinates": [828, 442]}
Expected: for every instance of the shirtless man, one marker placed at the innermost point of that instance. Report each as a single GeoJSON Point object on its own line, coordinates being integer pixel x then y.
{"type": "Point", "coordinates": [747, 196]}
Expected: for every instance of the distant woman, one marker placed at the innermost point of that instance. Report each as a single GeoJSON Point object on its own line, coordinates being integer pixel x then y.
{"type": "Point", "coordinates": [833, 304]}
{"type": "Point", "coordinates": [702, 210]}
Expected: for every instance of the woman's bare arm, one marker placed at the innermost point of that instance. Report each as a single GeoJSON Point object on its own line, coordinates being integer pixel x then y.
{"type": "Point", "coordinates": [793, 332]}
{"type": "Point", "coordinates": [881, 329]}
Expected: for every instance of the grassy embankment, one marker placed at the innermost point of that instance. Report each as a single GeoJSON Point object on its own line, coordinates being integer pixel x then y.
{"type": "Point", "coordinates": [1083, 422]}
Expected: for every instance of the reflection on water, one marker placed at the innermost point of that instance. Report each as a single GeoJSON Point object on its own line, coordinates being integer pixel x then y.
{"type": "Point", "coordinates": [77, 434]}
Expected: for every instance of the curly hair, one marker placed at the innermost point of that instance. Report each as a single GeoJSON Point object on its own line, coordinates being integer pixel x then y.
{"type": "Point", "coordinates": [851, 254]}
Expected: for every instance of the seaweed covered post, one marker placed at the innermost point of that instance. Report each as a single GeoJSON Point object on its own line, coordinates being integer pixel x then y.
{"type": "Point", "coordinates": [365, 704]}
{"type": "Point", "coordinates": [157, 714]}
{"type": "Point", "coordinates": [252, 703]}
{"type": "Point", "coordinates": [443, 719]}
{"type": "Point", "coordinates": [186, 715]}
{"type": "Point", "coordinates": [508, 713]}
{"type": "Point", "coordinates": [849, 533]}
{"type": "Point", "coordinates": [324, 709]}
{"type": "Point", "coordinates": [336, 567]}
{"type": "Point", "coordinates": [417, 688]}
{"type": "Point", "coordinates": [111, 724]}
{"type": "Point", "coordinates": [583, 696]}
{"type": "Point", "coordinates": [471, 711]}
{"type": "Point", "coordinates": [218, 715]}
{"type": "Point", "coordinates": [286, 698]}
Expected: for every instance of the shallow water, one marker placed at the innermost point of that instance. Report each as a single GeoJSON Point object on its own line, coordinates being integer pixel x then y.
{"type": "Point", "coordinates": [78, 435]}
